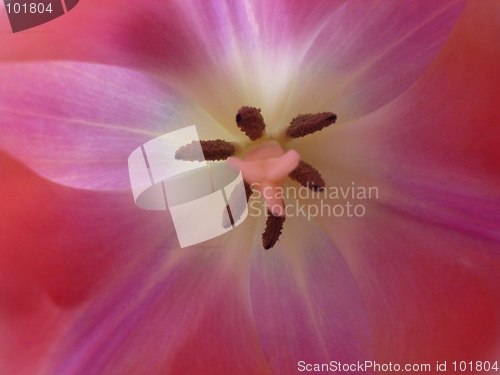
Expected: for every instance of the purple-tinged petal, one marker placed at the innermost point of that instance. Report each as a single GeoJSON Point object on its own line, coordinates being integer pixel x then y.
{"type": "Point", "coordinates": [221, 54]}
{"type": "Point", "coordinates": [432, 293]}
{"type": "Point", "coordinates": [183, 311]}
{"type": "Point", "coordinates": [66, 238]}
{"type": "Point", "coordinates": [434, 150]}
{"type": "Point", "coordinates": [90, 284]}
{"type": "Point", "coordinates": [77, 123]}
{"type": "Point", "coordinates": [59, 246]}
{"type": "Point", "coordinates": [426, 254]}
{"type": "Point", "coordinates": [175, 35]}
{"type": "Point", "coordinates": [367, 54]}
{"type": "Point", "coordinates": [306, 303]}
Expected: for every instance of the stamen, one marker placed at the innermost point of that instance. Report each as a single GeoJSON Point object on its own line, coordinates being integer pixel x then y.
{"type": "Point", "coordinates": [251, 122]}
{"type": "Point", "coordinates": [264, 167]}
{"type": "Point", "coordinates": [271, 235]}
{"type": "Point", "coordinates": [234, 201]}
{"type": "Point", "coordinates": [308, 176]}
{"type": "Point", "coordinates": [212, 150]}
{"type": "Point", "coordinates": [303, 125]}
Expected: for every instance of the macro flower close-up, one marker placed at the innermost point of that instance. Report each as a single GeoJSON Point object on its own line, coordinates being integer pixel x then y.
{"type": "Point", "coordinates": [385, 113]}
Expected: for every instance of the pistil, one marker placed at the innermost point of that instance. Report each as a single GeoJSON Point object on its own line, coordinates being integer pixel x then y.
{"type": "Point", "coordinates": [265, 167]}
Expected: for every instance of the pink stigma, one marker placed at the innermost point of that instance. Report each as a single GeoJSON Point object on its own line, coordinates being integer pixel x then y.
{"type": "Point", "coordinates": [265, 167]}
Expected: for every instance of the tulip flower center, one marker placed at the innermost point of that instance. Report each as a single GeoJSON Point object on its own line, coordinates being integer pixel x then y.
{"type": "Point", "coordinates": [265, 164]}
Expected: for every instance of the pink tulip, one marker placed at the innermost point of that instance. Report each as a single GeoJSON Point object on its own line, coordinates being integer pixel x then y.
{"type": "Point", "coordinates": [91, 284]}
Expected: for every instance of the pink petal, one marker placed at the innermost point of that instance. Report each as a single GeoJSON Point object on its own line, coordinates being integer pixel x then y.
{"type": "Point", "coordinates": [90, 284]}
{"type": "Point", "coordinates": [52, 233]}
{"type": "Point", "coordinates": [425, 255]}
{"type": "Point", "coordinates": [59, 246]}
{"type": "Point", "coordinates": [221, 54]}
{"type": "Point", "coordinates": [434, 150]}
{"type": "Point", "coordinates": [306, 304]}
{"type": "Point", "coordinates": [78, 123]}
{"type": "Point", "coordinates": [173, 35]}
{"type": "Point", "coordinates": [180, 312]}
{"type": "Point", "coordinates": [432, 293]}
{"type": "Point", "coordinates": [368, 53]}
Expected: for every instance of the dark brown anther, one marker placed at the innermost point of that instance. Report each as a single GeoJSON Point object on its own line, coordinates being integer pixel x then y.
{"type": "Point", "coordinates": [212, 150]}
{"type": "Point", "coordinates": [248, 190]}
{"type": "Point", "coordinates": [251, 122]}
{"type": "Point", "coordinates": [308, 176]}
{"type": "Point", "coordinates": [274, 226]}
{"type": "Point", "coordinates": [235, 202]}
{"type": "Point", "coordinates": [303, 125]}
